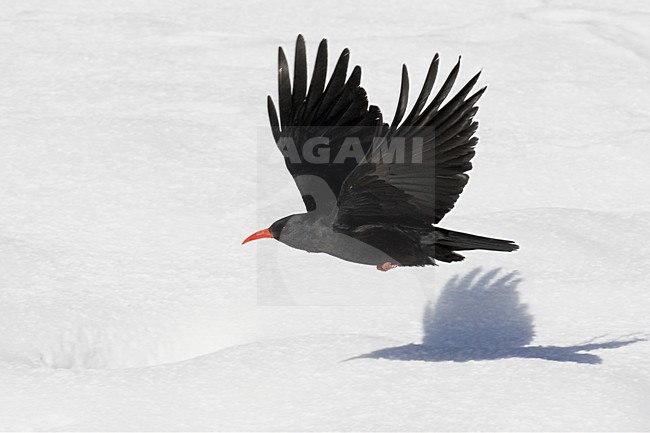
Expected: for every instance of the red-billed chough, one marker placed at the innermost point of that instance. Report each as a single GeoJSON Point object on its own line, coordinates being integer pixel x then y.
{"type": "Point", "coordinates": [373, 191]}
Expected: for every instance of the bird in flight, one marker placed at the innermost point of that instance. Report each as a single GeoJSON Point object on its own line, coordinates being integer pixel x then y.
{"type": "Point", "coordinates": [373, 191]}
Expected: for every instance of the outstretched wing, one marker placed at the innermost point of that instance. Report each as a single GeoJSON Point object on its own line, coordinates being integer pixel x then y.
{"type": "Point", "coordinates": [437, 143]}
{"type": "Point", "coordinates": [316, 124]}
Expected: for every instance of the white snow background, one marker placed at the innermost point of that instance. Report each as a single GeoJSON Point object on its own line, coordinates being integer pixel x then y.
{"type": "Point", "coordinates": [135, 156]}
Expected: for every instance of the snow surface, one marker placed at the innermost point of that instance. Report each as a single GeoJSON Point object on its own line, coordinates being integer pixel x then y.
{"type": "Point", "coordinates": [135, 156]}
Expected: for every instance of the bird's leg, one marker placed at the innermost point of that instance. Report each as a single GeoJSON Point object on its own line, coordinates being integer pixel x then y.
{"type": "Point", "coordinates": [385, 267]}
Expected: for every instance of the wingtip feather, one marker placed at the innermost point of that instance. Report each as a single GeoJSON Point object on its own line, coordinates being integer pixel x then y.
{"type": "Point", "coordinates": [403, 98]}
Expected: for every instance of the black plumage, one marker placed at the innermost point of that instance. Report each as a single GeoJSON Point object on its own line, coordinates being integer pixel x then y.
{"type": "Point", "coordinates": [373, 191]}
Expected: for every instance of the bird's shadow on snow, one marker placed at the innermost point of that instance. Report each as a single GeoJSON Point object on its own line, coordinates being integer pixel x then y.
{"type": "Point", "coordinates": [480, 317]}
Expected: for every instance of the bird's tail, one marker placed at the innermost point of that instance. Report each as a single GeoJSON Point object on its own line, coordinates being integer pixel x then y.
{"type": "Point", "coordinates": [463, 241]}
{"type": "Point", "coordinates": [444, 243]}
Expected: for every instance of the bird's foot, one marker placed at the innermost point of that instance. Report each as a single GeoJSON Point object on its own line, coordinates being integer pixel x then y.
{"type": "Point", "coordinates": [385, 267]}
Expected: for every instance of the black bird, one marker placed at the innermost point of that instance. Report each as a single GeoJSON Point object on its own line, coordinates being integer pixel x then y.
{"type": "Point", "coordinates": [373, 191]}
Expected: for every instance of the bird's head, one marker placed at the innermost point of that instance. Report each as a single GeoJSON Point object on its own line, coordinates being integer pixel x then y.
{"type": "Point", "coordinates": [272, 232]}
